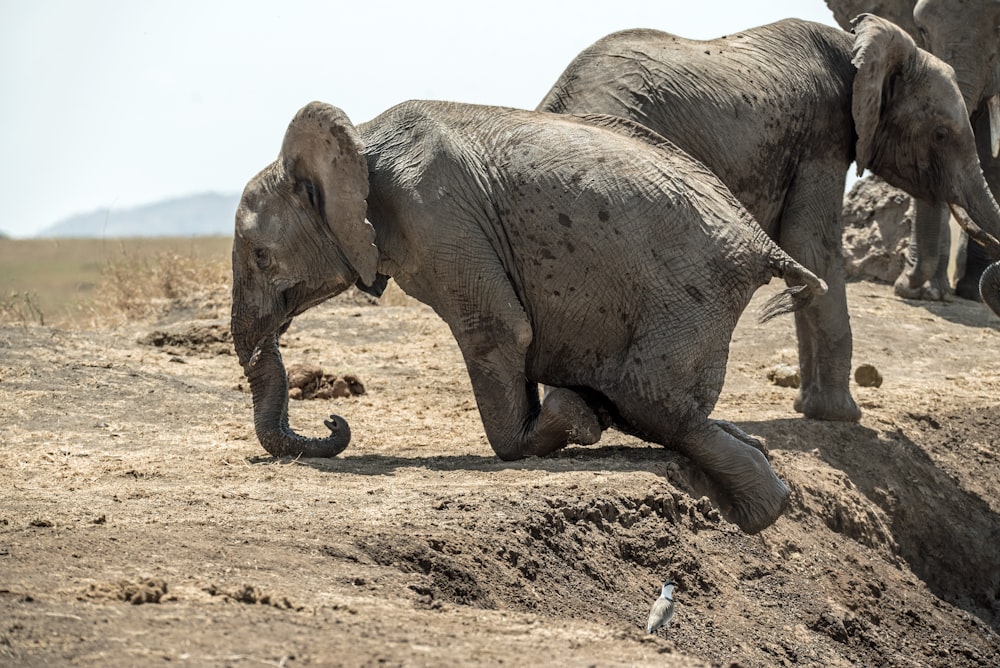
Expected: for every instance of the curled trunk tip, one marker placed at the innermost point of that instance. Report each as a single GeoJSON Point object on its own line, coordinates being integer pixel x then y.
{"type": "Point", "coordinates": [269, 386]}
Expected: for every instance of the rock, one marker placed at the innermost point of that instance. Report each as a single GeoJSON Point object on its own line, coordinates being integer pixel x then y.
{"type": "Point", "coordinates": [303, 376]}
{"type": "Point", "coordinates": [867, 375]}
{"type": "Point", "coordinates": [784, 375]}
{"type": "Point", "coordinates": [877, 223]}
{"type": "Point", "coordinates": [306, 381]}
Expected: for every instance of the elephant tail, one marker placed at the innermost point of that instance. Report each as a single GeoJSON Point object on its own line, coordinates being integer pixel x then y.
{"type": "Point", "coordinates": [803, 287]}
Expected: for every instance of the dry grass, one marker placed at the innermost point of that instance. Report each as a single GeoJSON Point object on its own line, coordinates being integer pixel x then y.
{"type": "Point", "coordinates": [21, 308]}
{"type": "Point", "coordinates": [137, 287]}
{"type": "Point", "coordinates": [94, 283]}
{"type": "Point", "coordinates": [85, 283]}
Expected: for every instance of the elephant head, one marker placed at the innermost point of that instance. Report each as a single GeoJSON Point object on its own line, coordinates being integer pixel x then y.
{"type": "Point", "coordinates": [899, 12]}
{"type": "Point", "coordinates": [301, 237]}
{"type": "Point", "coordinates": [963, 33]}
{"type": "Point", "coordinates": [913, 128]}
{"type": "Point", "coordinates": [966, 35]}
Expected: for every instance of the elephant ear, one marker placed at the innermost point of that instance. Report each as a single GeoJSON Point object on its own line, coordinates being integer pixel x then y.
{"type": "Point", "coordinates": [881, 53]}
{"type": "Point", "coordinates": [322, 147]}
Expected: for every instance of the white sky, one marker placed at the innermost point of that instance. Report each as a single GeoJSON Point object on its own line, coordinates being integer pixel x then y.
{"type": "Point", "coordinates": [124, 102]}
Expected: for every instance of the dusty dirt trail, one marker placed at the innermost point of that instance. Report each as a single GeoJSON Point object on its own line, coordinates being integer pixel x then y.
{"type": "Point", "coordinates": [140, 521]}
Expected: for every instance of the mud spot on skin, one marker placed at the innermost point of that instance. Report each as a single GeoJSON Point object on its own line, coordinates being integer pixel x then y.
{"type": "Point", "coordinates": [603, 216]}
{"type": "Point", "coordinates": [565, 220]}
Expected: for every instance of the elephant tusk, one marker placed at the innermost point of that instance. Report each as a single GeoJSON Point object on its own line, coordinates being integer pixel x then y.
{"type": "Point", "coordinates": [976, 233]}
{"type": "Point", "coordinates": [994, 107]}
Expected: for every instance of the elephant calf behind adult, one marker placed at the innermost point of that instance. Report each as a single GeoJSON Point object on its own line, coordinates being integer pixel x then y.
{"type": "Point", "coordinates": [604, 263]}
{"type": "Point", "coordinates": [779, 112]}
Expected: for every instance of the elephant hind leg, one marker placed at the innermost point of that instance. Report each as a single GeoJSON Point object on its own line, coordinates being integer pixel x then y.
{"type": "Point", "coordinates": [810, 232]}
{"type": "Point", "coordinates": [754, 495]}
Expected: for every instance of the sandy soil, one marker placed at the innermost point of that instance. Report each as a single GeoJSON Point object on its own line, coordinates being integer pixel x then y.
{"type": "Point", "coordinates": [141, 523]}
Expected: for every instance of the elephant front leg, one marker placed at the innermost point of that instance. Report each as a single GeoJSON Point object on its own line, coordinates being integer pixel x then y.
{"type": "Point", "coordinates": [494, 334]}
{"type": "Point", "coordinates": [925, 275]}
{"type": "Point", "coordinates": [752, 495]}
{"type": "Point", "coordinates": [517, 424]}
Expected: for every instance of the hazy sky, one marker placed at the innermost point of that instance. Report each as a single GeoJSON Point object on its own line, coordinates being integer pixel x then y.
{"type": "Point", "coordinates": [114, 103]}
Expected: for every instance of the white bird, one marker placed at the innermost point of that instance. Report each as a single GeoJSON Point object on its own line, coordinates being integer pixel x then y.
{"type": "Point", "coordinates": [663, 608]}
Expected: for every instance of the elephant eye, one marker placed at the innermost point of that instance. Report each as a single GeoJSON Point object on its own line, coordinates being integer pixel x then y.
{"type": "Point", "coordinates": [941, 134]}
{"type": "Point", "coordinates": [262, 258]}
{"type": "Point", "coordinates": [310, 192]}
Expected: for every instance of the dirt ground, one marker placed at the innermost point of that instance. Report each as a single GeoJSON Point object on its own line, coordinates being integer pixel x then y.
{"type": "Point", "coordinates": [142, 524]}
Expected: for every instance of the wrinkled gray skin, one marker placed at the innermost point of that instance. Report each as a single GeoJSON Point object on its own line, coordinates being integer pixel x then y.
{"type": "Point", "coordinates": [604, 263]}
{"type": "Point", "coordinates": [779, 112]}
{"type": "Point", "coordinates": [966, 35]}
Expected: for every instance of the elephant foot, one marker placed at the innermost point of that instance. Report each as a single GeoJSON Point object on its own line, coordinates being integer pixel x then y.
{"type": "Point", "coordinates": [751, 495]}
{"type": "Point", "coordinates": [934, 290]}
{"type": "Point", "coordinates": [760, 507]}
{"type": "Point", "coordinates": [567, 417]}
{"type": "Point", "coordinates": [832, 405]}
{"type": "Point", "coordinates": [742, 436]}
{"type": "Point", "coordinates": [968, 288]}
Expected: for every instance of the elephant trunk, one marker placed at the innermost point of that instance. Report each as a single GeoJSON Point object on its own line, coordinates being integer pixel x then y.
{"type": "Point", "coordinates": [269, 386]}
{"type": "Point", "coordinates": [989, 287]}
{"type": "Point", "coordinates": [977, 199]}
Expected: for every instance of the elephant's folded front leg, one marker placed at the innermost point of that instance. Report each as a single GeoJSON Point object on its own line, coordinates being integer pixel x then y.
{"type": "Point", "coordinates": [566, 417]}
{"type": "Point", "coordinates": [756, 495]}
{"type": "Point", "coordinates": [519, 426]}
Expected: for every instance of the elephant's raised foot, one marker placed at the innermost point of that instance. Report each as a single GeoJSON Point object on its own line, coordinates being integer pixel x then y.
{"type": "Point", "coordinates": [741, 435]}
{"type": "Point", "coordinates": [748, 492]}
{"type": "Point", "coordinates": [760, 507]}
{"type": "Point", "coordinates": [833, 405]}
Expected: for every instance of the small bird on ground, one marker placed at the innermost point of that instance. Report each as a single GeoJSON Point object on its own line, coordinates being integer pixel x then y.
{"type": "Point", "coordinates": [663, 608]}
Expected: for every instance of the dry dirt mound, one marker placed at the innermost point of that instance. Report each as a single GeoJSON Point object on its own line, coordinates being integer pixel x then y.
{"type": "Point", "coordinates": [125, 479]}
{"type": "Point", "coordinates": [307, 381]}
{"type": "Point", "coordinates": [194, 337]}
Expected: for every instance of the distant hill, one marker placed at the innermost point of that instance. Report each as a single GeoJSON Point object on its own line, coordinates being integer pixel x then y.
{"type": "Point", "coordinates": [194, 215]}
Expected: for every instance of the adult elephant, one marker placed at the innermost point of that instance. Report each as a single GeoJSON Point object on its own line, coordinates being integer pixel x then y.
{"type": "Point", "coordinates": [779, 112]}
{"type": "Point", "coordinates": [605, 263]}
{"type": "Point", "coordinates": [966, 35]}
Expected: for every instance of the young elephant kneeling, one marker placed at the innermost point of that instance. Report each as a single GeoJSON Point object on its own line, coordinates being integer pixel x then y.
{"type": "Point", "coordinates": [586, 254]}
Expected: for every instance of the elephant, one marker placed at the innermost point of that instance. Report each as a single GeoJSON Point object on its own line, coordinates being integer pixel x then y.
{"type": "Point", "coordinates": [966, 35]}
{"type": "Point", "coordinates": [779, 112]}
{"type": "Point", "coordinates": [586, 254]}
